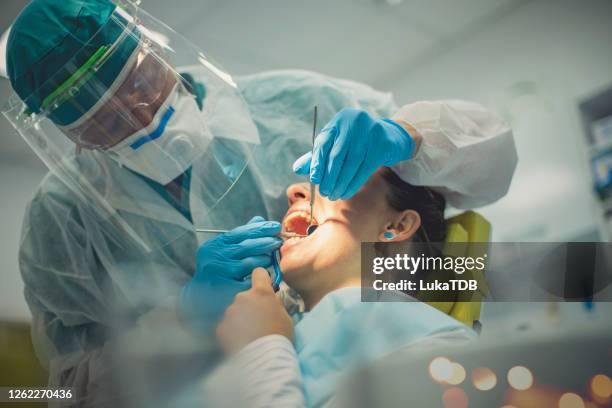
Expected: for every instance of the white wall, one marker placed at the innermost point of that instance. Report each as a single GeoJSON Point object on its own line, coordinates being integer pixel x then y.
{"type": "Point", "coordinates": [534, 66]}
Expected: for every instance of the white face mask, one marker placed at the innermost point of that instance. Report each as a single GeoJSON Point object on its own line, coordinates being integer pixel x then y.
{"type": "Point", "coordinates": [170, 144]}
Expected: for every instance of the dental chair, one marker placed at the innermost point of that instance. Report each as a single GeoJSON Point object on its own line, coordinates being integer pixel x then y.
{"type": "Point", "coordinates": [468, 234]}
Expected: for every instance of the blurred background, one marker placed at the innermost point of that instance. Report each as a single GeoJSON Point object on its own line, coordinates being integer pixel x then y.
{"type": "Point", "coordinates": [543, 65]}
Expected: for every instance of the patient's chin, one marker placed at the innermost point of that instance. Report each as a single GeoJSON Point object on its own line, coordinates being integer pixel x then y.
{"type": "Point", "coordinates": [293, 263]}
{"type": "Point", "coordinates": [296, 266]}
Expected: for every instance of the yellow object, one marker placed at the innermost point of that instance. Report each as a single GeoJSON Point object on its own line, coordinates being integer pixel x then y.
{"type": "Point", "coordinates": [474, 231]}
{"type": "Point", "coordinates": [19, 366]}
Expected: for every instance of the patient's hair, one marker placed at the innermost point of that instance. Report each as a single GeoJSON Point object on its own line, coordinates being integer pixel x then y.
{"type": "Point", "coordinates": [429, 204]}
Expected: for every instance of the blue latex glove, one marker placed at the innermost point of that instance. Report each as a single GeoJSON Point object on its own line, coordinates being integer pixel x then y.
{"type": "Point", "coordinates": [351, 147]}
{"type": "Point", "coordinates": [223, 268]}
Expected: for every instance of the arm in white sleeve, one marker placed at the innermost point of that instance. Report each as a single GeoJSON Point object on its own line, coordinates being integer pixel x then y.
{"type": "Point", "coordinates": [467, 153]}
{"type": "Point", "coordinates": [88, 331]}
{"type": "Point", "coordinates": [266, 373]}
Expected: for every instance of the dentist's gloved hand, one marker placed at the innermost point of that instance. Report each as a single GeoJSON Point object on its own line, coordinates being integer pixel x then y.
{"type": "Point", "coordinates": [351, 147]}
{"type": "Point", "coordinates": [223, 268]}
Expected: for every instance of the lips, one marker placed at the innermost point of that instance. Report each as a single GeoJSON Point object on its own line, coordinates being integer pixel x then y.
{"type": "Point", "coordinates": [296, 221]}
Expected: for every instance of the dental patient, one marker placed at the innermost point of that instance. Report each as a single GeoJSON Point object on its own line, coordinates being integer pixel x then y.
{"type": "Point", "coordinates": [299, 360]}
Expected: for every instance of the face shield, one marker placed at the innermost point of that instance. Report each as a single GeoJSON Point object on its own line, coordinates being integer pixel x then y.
{"type": "Point", "coordinates": [167, 138]}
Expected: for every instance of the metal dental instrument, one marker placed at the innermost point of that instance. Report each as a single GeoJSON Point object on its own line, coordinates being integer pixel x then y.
{"type": "Point", "coordinates": [282, 233]}
{"type": "Point", "coordinates": [311, 228]}
{"type": "Point", "coordinates": [278, 274]}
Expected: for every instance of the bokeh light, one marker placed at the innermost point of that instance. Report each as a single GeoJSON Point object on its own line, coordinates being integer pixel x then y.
{"type": "Point", "coordinates": [520, 378]}
{"type": "Point", "coordinates": [484, 378]}
{"type": "Point", "coordinates": [601, 386]}
{"type": "Point", "coordinates": [454, 397]}
{"type": "Point", "coordinates": [457, 375]}
{"type": "Point", "coordinates": [571, 400]}
{"type": "Point", "coordinates": [441, 369]}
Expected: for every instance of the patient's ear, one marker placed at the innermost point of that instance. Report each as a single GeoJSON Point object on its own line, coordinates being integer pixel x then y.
{"type": "Point", "coordinates": [401, 227]}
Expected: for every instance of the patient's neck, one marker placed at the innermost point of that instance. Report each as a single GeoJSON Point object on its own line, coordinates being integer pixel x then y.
{"type": "Point", "coordinates": [312, 292]}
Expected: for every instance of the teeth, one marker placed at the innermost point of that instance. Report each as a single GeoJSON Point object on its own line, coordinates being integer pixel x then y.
{"type": "Point", "coordinates": [293, 240]}
{"type": "Point", "coordinates": [305, 215]}
{"type": "Point", "coordinates": [297, 214]}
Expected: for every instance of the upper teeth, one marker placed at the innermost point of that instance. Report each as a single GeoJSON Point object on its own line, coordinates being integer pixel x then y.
{"type": "Point", "coordinates": [296, 214]}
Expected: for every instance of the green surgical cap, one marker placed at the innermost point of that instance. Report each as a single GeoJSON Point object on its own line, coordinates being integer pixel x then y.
{"type": "Point", "coordinates": [51, 39]}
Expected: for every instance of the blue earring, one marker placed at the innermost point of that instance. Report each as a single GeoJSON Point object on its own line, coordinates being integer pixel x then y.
{"type": "Point", "coordinates": [388, 235]}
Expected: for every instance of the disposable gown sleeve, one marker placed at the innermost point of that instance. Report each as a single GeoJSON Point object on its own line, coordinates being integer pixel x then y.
{"type": "Point", "coordinates": [265, 373]}
{"type": "Point", "coordinates": [72, 301]}
{"type": "Point", "coordinates": [467, 153]}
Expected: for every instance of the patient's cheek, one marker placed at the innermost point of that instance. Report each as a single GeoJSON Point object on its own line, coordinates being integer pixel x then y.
{"type": "Point", "coordinates": [361, 216]}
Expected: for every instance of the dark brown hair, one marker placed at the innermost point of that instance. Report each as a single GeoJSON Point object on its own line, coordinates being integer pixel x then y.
{"type": "Point", "coordinates": [429, 204]}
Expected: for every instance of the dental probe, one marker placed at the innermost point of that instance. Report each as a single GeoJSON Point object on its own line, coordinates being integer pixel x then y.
{"type": "Point", "coordinates": [310, 228]}
{"type": "Point", "coordinates": [278, 274]}
{"type": "Point", "coordinates": [282, 233]}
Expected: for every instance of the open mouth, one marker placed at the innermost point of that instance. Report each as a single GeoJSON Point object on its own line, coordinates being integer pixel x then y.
{"type": "Point", "coordinates": [297, 222]}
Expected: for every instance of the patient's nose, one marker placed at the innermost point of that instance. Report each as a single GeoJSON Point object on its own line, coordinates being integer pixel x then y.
{"type": "Point", "coordinates": [298, 192]}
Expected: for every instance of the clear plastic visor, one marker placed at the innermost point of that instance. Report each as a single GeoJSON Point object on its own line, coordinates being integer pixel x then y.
{"type": "Point", "coordinates": [166, 140]}
{"type": "Point", "coordinates": [131, 105]}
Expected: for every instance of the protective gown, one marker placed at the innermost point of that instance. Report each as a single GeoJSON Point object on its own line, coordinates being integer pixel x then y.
{"type": "Point", "coordinates": [97, 302]}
